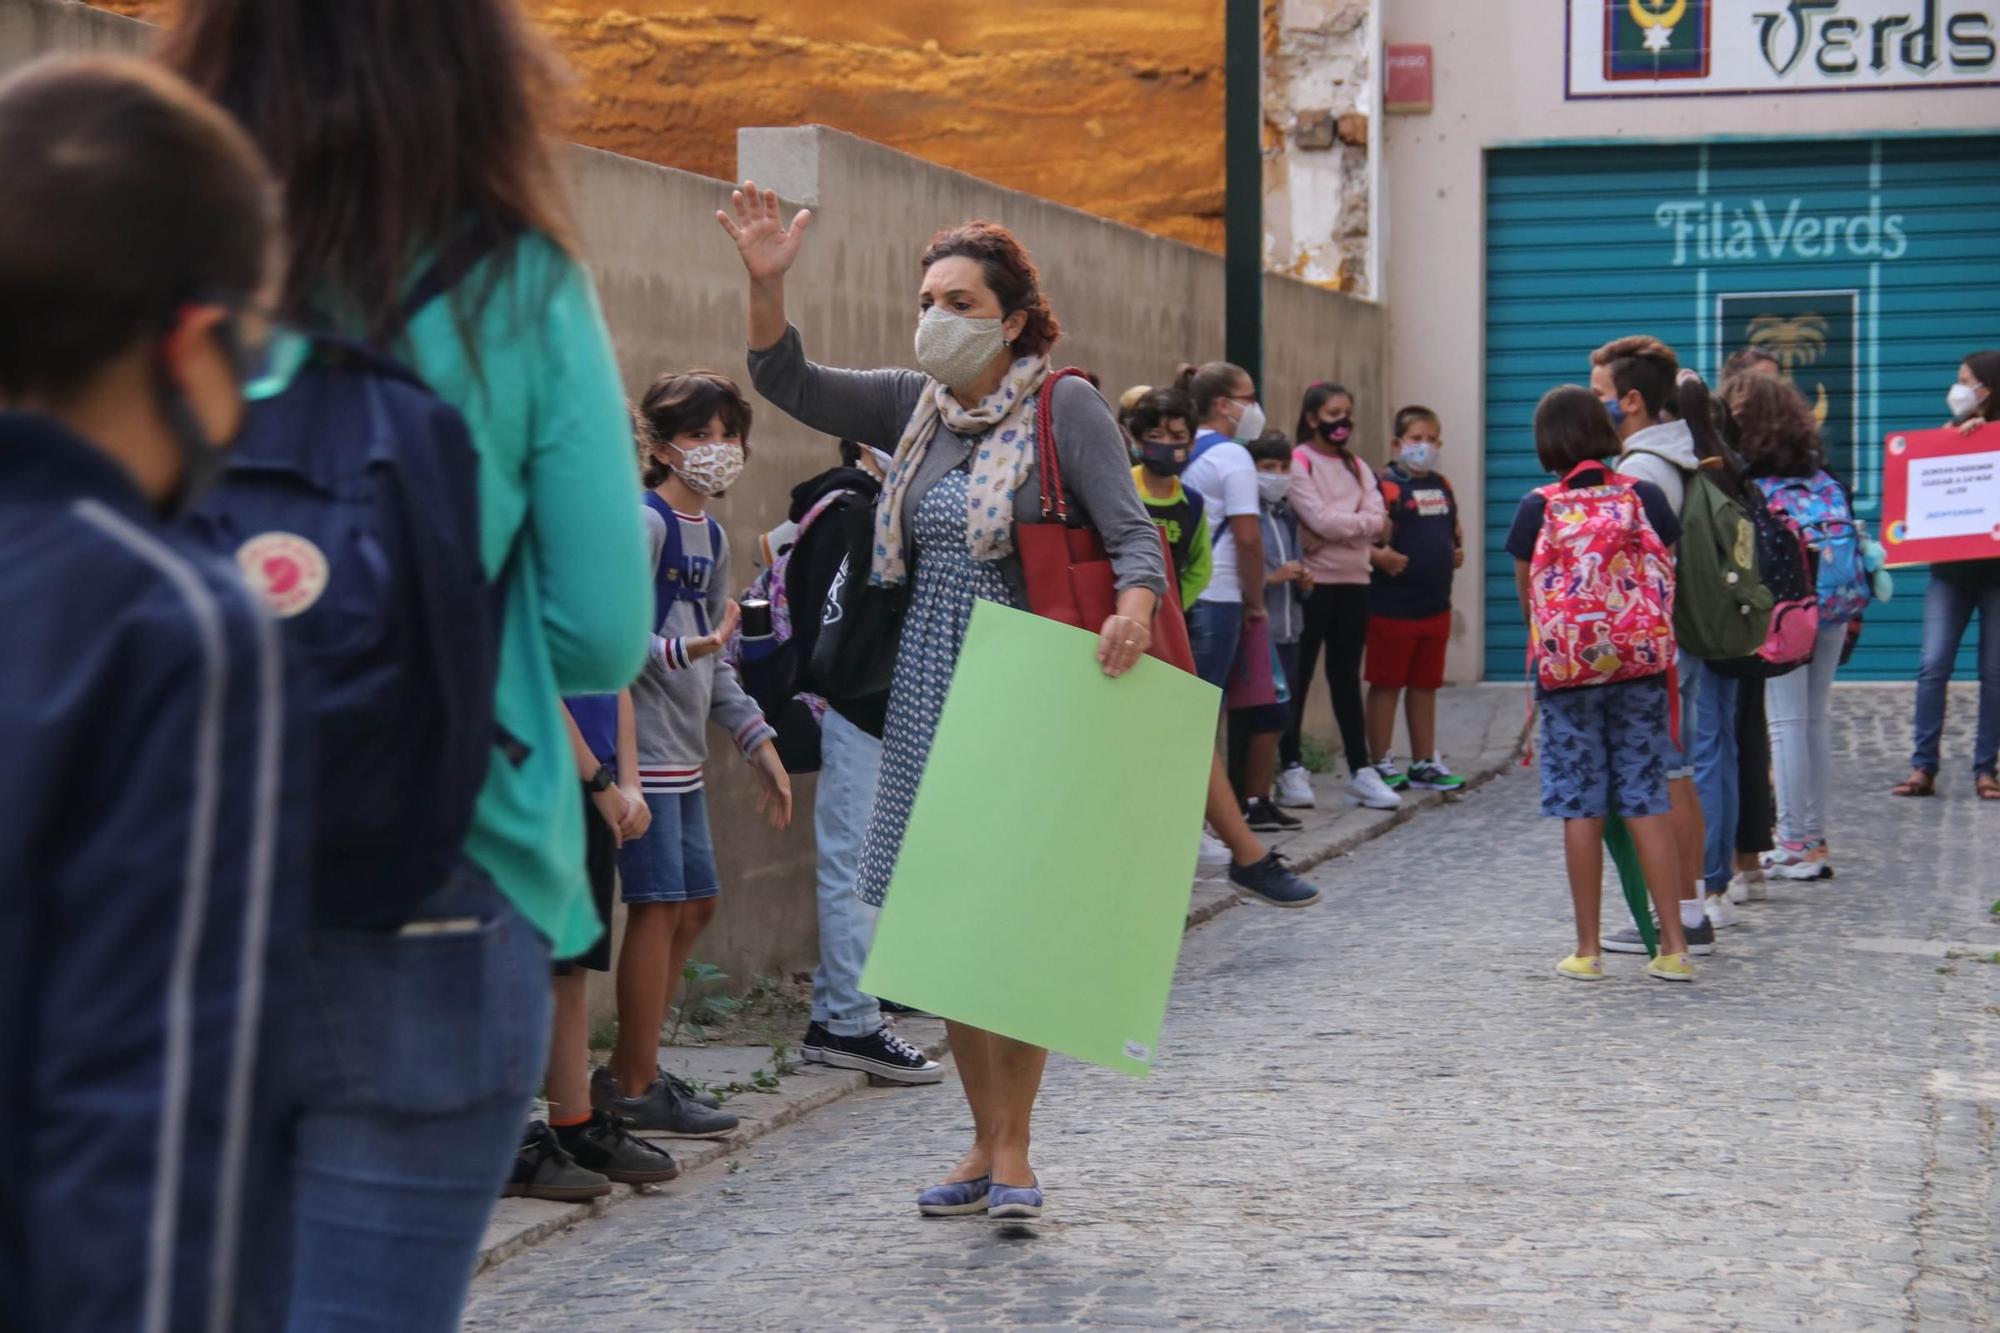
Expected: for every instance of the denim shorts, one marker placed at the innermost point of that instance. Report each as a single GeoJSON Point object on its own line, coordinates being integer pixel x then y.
{"type": "Point", "coordinates": [1605, 749]}
{"type": "Point", "coordinates": [1215, 631]}
{"type": "Point", "coordinates": [675, 861]}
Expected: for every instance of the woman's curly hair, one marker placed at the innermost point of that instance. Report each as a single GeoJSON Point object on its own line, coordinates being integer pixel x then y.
{"type": "Point", "coordinates": [1010, 272]}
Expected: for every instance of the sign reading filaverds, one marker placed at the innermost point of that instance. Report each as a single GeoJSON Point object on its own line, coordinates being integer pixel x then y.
{"type": "Point", "coordinates": [1704, 48]}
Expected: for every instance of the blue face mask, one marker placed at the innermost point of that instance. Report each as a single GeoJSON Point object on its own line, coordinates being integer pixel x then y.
{"type": "Point", "coordinates": [1614, 409]}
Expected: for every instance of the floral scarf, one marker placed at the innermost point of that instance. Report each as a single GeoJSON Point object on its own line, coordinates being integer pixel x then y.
{"type": "Point", "coordinates": [1002, 429]}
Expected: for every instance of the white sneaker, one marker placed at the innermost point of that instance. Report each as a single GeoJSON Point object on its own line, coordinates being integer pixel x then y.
{"type": "Point", "coordinates": [1295, 789]}
{"type": "Point", "coordinates": [1722, 914]}
{"type": "Point", "coordinates": [1367, 788]}
{"type": "Point", "coordinates": [1746, 886]}
{"type": "Point", "coordinates": [1214, 852]}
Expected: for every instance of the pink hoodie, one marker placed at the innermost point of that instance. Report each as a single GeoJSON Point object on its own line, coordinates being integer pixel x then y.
{"type": "Point", "coordinates": [1340, 514]}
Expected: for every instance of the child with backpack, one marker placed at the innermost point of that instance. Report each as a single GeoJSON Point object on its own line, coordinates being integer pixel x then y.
{"type": "Point", "coordinates": [1780, 443]}
{"type": "Point", "coordinates": [144, 718]}
{"type": "Point", "coordinates": [1257, 731]}
{"type": "Point", "coordinates": [1595, 580]}
{"type": "Point", "coordinates": [700, 428]}
{"type": "Point", "coordinates": [1162, 425]}
{"type": "Point", "coordinates": [1409, 603]}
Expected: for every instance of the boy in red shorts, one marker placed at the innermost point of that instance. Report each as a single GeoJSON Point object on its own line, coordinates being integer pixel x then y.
{"type": "Point", "coordinates": [1409, 603]}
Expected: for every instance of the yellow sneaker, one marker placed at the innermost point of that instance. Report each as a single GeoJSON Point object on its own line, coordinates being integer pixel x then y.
{"type": "Point", "coordinates": [1582, 967]}
{"type": "Point", "coordinates": [1671, 967]}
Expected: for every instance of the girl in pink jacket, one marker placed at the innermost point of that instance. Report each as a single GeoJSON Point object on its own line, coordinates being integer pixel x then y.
{"type": "Point", "coordinates": [1341, 518]}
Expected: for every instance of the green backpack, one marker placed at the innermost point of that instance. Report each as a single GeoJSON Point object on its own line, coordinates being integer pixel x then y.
{"type": "Point", "coordinates": [1721, 607]}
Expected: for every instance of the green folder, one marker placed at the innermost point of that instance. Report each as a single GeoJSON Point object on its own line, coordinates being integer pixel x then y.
{"type": "Point", "coordinates": [1625, 856]}
{"type": "Point", "coordinates": [1043, 883]}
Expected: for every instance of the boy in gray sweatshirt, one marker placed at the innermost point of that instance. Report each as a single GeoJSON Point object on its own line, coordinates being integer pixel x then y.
{"type": "Point", "coordinates": [695, 447]}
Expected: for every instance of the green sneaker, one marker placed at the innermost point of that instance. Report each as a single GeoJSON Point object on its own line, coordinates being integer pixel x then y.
{"type": "Point", "coordinates": [1392, 777]}
{"type": "Point", "coordinates": [1432, 775]}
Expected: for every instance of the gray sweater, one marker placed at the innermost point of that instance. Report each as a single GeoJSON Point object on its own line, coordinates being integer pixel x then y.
{"type": "Point", "coordinates": [874, 406]}
{"type": "Point", "coordinates": [675, 698]}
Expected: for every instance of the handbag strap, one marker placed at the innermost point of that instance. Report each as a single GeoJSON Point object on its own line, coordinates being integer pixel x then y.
{"type": "Point", "coordinates": [1055, 503]}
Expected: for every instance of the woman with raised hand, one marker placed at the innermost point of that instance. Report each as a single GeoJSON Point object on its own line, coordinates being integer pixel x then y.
{"type": "Point", "coordinates": [964, 476]}
{"type": "Point", "coordinates": [409, 141]}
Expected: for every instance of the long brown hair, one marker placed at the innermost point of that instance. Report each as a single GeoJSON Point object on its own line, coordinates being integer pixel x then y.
{"type": "Point", "coordinates": [396, 128]}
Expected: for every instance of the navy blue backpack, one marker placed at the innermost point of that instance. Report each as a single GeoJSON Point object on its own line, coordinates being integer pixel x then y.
{"type": "Point", "coordinates": [351, 502]}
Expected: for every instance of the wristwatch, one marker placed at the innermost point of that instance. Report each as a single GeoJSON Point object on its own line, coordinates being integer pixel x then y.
{"type": "Point", "coordinates": [602, 780]}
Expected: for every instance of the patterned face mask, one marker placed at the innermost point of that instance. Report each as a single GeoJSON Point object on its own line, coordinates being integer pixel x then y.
{"type": "Point", "coordinates": [709, 469]}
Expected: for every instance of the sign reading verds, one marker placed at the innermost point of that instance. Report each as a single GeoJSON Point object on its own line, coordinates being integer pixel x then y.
{"type": "Point", "coordinates": [1696, 48]}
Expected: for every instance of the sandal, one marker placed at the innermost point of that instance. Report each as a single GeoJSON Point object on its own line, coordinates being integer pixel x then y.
{"type": "Point", "coordinates": [1987, 786]}
{"type": "Point", "coordinates": [1920, 783]}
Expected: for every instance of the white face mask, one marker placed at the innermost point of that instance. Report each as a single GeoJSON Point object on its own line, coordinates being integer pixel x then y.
{"type": "Point", "coordinates": [709, 469]}
{"type": "Point", "coordinates": [1273, 487]}
{"type": "Point", "coordinates": [1250, 424]}
{"type": "Point", "coordinates": [955, 350]}
{"type": "Point", "coordinates": [1962, 399]}
{"type": "Point", "coordinates": [1419, 455]}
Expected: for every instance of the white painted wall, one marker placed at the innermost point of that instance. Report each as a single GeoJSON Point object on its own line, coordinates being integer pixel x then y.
{"type": "Point", "coordinates": [1499, 81]}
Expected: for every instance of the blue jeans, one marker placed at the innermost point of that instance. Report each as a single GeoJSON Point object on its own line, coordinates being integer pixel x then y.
{"type": "Point", "coordinates": [1215, 630]}
{"type": "Point", "coordinates": [850, 763]}
{"type": "Point", "coordinates": [1948, 609]}
{"type": "Point", "coordinates": [1717, 770]}
{"type": "Point", "coordinates": [419, 1051]}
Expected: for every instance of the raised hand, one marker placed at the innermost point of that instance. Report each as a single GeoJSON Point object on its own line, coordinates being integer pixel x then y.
{"type": "Point", "coordinates": [767, 246]}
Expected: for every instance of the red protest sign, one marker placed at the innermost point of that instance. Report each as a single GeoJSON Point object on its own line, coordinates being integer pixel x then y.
{"type": "Point", "coordinates": [1941, 495]}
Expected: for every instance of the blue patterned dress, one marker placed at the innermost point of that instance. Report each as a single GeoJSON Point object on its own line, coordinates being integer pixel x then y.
{"type": "Point", "coordinates": [946, 584]}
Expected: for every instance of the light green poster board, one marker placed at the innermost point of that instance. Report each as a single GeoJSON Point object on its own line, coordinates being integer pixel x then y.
{"type": "Point", "coordinates": [1044, 880]}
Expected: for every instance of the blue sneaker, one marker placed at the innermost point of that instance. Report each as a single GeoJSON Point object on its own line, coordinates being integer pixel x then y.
{"type": "Point", "coordinates": [955, 1199]}
{"type": "Point", "coordinates": [1014, 1201]}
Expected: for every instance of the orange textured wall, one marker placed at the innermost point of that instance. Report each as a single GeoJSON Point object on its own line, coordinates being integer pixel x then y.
{"type": "Point", "coordinates": [1114, 106]}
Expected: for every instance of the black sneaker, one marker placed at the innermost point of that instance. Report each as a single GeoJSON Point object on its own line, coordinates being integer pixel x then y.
{"type": "Point", "coordinates": [812, 1046]}
{"type": "Point", "coordinates": [659, 1109]}
{"type": "Point", "coordinates": [1271, 881]}
{"type": "Point", "coordinates": [603, 1144]}
{"type": "Point", "coordinates": [543, 1169]}
{"type": "Point", "coordinates": [1264, 817]}
{"type": "Point", "coordinates": [699, 1096]}
{"type": "Point", "coordinates": [883, 1054]}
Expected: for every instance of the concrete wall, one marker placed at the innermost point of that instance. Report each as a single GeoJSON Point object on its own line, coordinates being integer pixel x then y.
{"type": "Point", "coordinates": [1134, 307]}
{"type": "Point", "coordinates": [1499, 81]}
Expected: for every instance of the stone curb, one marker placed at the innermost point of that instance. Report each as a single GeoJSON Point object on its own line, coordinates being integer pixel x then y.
{"type": "Point", "coordinates": [693, 1155]}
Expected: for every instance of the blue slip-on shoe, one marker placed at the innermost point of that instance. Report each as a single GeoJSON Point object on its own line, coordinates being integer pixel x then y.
{"type": "Point", "coordinates": [956, 1198]}
{"type": "Point", "coordinates": [1014, 1201]}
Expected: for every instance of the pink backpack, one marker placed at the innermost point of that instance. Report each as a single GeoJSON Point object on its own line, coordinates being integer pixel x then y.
{"type": "Point", "coordinates": [1601, 586]}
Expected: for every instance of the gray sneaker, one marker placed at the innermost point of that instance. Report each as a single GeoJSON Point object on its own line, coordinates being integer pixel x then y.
{"type": "Point", "coordinates": [699, 1096]}
{"type": "Point", "coordinates": [659, 1109]}
{"type": "Point", "coordinates": [1700, 939]}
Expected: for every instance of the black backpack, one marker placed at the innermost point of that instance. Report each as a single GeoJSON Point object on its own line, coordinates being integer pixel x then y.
{"type": "Point", "coordinates": [1790, 570]}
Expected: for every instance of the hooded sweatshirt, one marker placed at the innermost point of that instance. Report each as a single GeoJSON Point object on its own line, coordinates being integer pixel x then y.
{"type": "Point", "coordinates": [1340, 514]}
{"type": "Point", "coordinates": [1664, 455]}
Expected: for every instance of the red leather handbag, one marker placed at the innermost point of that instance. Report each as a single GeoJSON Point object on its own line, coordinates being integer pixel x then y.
{"type": "Point", "coordinates": [1068, 574]}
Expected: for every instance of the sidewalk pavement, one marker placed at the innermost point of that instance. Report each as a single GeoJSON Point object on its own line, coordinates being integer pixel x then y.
{"type": "Point", "coordinates": [1480, 729]}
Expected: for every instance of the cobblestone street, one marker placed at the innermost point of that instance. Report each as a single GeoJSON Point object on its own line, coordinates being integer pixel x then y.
{"type": "Point", "coordinates": [1390, 1112]}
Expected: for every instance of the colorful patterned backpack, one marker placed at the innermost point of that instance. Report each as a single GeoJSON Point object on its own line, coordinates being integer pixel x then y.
{"type": "Point", "coordinates": [1600, 586]}
{"type": "Point", "coordinates": [1818, 504]}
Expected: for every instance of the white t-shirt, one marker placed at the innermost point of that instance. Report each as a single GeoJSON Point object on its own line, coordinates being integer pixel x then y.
{"type": "Point", "coordinates": [1225, 476]}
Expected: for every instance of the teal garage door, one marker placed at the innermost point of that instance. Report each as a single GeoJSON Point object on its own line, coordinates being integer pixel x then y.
{"type": "Point", "coordinates": [1869, 267]}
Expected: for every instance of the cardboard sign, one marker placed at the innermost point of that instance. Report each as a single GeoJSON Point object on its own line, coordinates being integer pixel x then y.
{"type": "Point", "coordinates": [1043, 883]}
{"type": "Point", "coordinates": [1941, 496]}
